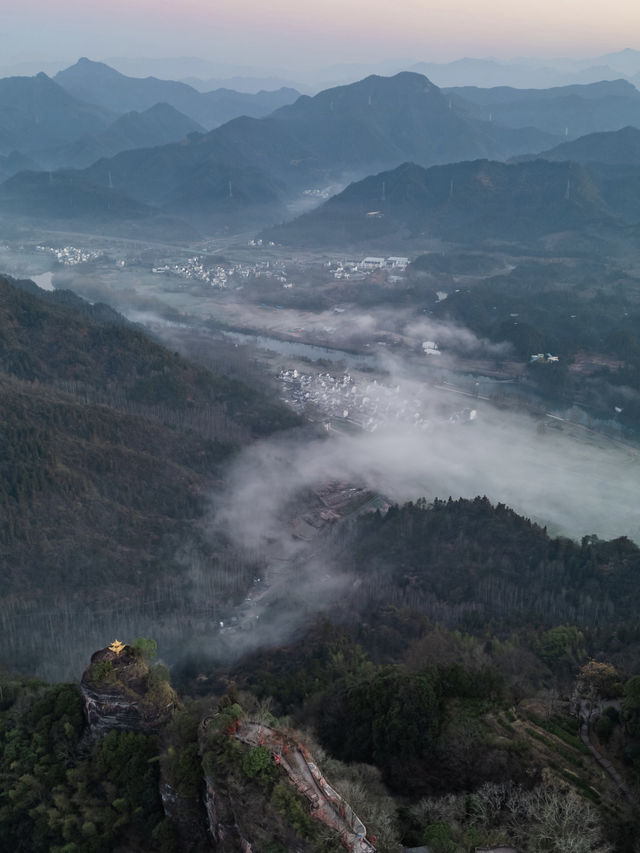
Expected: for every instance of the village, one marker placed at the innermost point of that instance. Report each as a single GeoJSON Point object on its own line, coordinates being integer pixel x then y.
{"type": "Point", "coordinates": [222, 275]}
{"type": "Point", "coordinates": [71, 256]}
{"type": "Point", "coordinates": [365, 403]}
{"type": "Point", "coordinates": [245, 269]}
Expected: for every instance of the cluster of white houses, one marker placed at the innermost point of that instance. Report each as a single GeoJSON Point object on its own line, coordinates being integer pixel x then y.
{"type": "Point", "coordinates": [71, 256]}
{"type": "Point", "coordinates": [391, 262]}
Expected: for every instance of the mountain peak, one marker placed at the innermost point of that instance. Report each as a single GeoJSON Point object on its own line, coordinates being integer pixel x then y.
{"type": "Point", "coordinates": [88, 66]}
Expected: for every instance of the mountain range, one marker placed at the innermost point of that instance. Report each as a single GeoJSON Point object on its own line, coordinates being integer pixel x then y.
{"type": "Point", "coordinates": [248, 169]}
{"type": "Point", "coordinates": [524, 72]}
{"type": "Point", "coordinates": [614, 148]}
{"type": "Point", "coordinates": [158, 125]}
{"type": "Point", "coordinates": [246, 173]}
{"type": "Point", "coordinates": [570, 111]}
{"type": "Point", "coordinates": [100, 84]}
{"type": "Point", "coordinates": [476, 200]}
{"type": "Point", "coordinates": [529, 73]}
{"type": "Point", "coordinates": [91, 111]}
{"type": "Point", "coordinates": [36, 114]}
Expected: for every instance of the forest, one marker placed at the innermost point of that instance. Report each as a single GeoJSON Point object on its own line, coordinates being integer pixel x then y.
{"type": "Point", "coordinates": [456, 739]}
{"type": "Point", "coordinates": [111, 446]}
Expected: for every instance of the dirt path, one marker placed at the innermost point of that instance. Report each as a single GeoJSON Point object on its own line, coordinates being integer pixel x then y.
{"type": "Point", "coordinates": [326, 804]}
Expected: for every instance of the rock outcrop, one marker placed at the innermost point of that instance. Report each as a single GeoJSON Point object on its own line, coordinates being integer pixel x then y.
{"type": "Point", "coordinates": [121, 691]}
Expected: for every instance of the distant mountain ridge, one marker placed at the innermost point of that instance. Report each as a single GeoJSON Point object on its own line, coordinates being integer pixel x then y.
{"type": "Point", "coordinates": [526, 73]}
{"type": "Point", "coordinates": [37, 113]}
{"type": "Point", "coordinates": [566, 110]}
{"type": "Point", "coordinates": [245, 171]}
{"type": "Point", "coordinates": [100, 84]}
{"type": "Point", "coordinates": [159, 125]}
{"type": "Point", "coordinates": [615, 148]}
{"type": "Point", "coordinates": [381, 119]}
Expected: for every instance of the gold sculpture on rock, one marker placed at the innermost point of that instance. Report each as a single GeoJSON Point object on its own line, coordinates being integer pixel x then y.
{"type": "Point", "coordinates": [116, 647]}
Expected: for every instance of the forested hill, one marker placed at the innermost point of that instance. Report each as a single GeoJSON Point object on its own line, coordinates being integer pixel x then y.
{"type": "Point", "coordinates": [469, 560]}
{"type": "Point", "coordinates": [59, 339]}
{"type": "Point", "coordinates": [109, 449]}
{"type": "Point", "coordinates": [243, 173]}
{"type": "Point", "coordinates": [469, 201]}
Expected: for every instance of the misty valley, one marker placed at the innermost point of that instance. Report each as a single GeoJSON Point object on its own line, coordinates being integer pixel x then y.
{"type": "Point", "coordinates": [320, 465]}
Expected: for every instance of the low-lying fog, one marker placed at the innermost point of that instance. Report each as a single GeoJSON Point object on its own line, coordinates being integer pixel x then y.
{"type": "Point", "coordinates": [575, 485]}
{"type": "Point", "coordinates": [574, 481]}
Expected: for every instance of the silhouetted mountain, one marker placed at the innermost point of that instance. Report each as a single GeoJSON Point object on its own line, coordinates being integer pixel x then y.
{"type": "Point", "coordinates": [619, 147]}
{"type": "Point", "coordinates": [37, 113]}
{"type": "Point", "coordinates": [388, 119]}
{"type": "Point", "coordinates": [474, 200]}
{"type": "Point", "coordinates": [16, 162]}
{"type": "Point", "coordinates": [566, 110]}
{"type": "Point", "coordinates": [250, 85]}
{"type": "Point", "coordinates": [255, 165]}
{"type": "Point", "coordinates": [100, 84]}
{"type": "Point", "coordinates": [159, 125]}
{"type": "Point", "coordinates": [627, 60]}
{"type": "Point", "coordinates": [523, 74]}
{"type": "Point", "coordinates": [379, 121]}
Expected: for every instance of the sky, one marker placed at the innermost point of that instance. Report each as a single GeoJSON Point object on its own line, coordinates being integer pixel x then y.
{"type": "Point", "coordinates": [284, 34]}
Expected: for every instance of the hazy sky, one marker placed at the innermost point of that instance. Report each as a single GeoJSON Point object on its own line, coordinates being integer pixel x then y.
{"type": "Point", "coordinates": [284, 33]}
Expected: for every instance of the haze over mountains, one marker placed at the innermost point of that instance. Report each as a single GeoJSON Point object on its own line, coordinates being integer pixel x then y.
{"type": "Point", "coordinates": [473, 200]}
{"type": "Point", "coordinates": [530, 72]}
{"type": "Point", "coordinates": [91, 111]}
{"type": "Point", "coordinates": [37, 114]}
{"type": "Point", "coordinates": [521, 72]}
{"type": "Point", "coordinates": [612, 147]}
{"type": "Point", "coordinates": [139, 151]}
{"type": "Point", "coordinates": [97, 83]}
{"type": "Point", "coordinates": [566, 110]}
{"type": "Point", "coordinates": [157, 125]}
{"type": "Point", "coordinates": [252, 167]}
{"type": "Point", "coordinates": [229, 485]}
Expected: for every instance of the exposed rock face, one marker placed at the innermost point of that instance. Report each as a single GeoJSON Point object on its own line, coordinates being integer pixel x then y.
{"type": "Point", "coordinates": [120, 694]}
{"type": "Point", "coordinates": [221, 821]}
{"type": "Point", "coordinates": [185, 815]}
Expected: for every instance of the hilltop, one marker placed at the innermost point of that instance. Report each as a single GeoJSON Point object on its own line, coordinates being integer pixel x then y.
{"type": "Point", "coordinates": [468, 201]}
{"type": "Point", "coordinates": [100, 84]}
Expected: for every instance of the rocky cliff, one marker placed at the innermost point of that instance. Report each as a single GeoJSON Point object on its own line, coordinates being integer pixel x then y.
{"type": "Point", "coordinates": [121, 691]}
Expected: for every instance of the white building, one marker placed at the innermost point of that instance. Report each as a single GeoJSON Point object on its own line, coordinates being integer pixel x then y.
{"type": "Point", "coordinates": [372, 263]}
{"type": "Point", "coordinates": [398, 263]}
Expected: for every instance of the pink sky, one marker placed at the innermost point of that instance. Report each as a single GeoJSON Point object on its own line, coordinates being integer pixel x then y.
{"type": "Point", "coordinates": [284, 32]}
